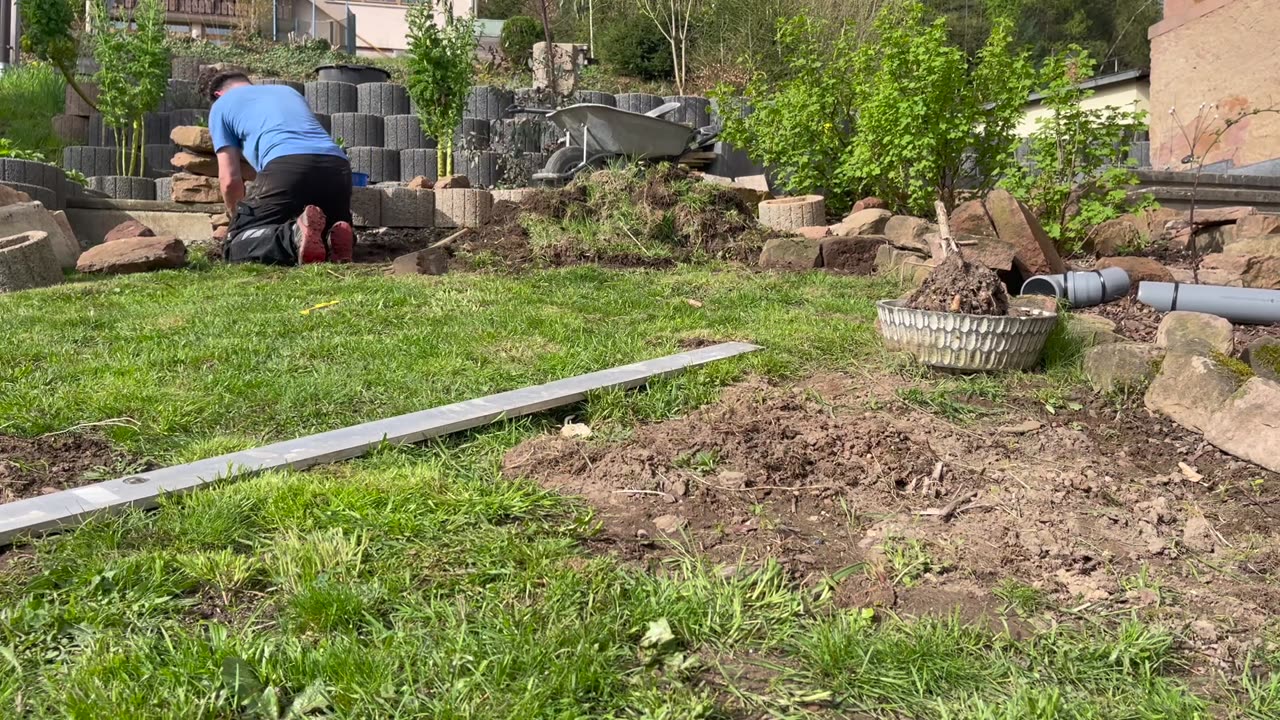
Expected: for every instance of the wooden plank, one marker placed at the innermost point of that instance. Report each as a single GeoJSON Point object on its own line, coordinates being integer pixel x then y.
{"type": "Point", "coordinates": [34, 516]}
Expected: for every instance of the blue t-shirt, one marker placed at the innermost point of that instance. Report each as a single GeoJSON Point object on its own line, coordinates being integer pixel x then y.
{"type": "Point", "coordinates": [266, 122]}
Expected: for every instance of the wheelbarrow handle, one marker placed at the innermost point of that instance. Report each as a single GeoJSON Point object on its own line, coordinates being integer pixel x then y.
{"type": "Point", "coordinates": [519, 109]}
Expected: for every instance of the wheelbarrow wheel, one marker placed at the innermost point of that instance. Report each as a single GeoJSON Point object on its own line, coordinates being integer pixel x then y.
{"type": "Point", "coordinates": [564, 160]}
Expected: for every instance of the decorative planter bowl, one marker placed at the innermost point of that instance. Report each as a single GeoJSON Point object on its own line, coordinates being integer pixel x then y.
{"type": "Point", "coordinates": [966, 342]}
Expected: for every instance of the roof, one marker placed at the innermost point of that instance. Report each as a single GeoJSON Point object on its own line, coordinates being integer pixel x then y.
{"type": "Point", "coordinates": [1104, 81]}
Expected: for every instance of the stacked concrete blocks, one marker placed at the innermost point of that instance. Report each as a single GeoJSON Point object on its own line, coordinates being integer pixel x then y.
{"type": "Point", "coordinates": [366, 207]}
{"type": "Point", "coordinates": [332, 97]}
{"type": "Point", "coordinates": [404, 132]}
{"type": "Point", "coordinates": [380, 164]}
{"type": "Point", "coordinates": [357, 129]}
{"type": "Point", "coordinates": [417, 162]}
{"type": "Point", "coordinates": [485, 102]}
{"type": "Point", "coordinates": [406, 208]}
{"type": "Point", "coordinates": [482, 167]}
{"type": "Point", "coordinates": [299, 87]}
{"type": "Point", "coordinates": [122, 187]}
{"type": "Point", "coordinates": [35, 174]}
{"type": "Point", "coordinates": [382, 99]}
{"type": "Point", "coordinates": [595, 97]}
{"type": "Point", "coordinates": [638, 102]}
{"type": "Point", "coordinates": [463, 208]}
{"type": "Point", "coordinates": [694, 111]}
{"type": "Point", "coordinates": [472, 134]}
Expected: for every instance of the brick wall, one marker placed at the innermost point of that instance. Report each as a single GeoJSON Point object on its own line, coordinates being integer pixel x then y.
{"type": "Point", "coordinates": [1215, 51]}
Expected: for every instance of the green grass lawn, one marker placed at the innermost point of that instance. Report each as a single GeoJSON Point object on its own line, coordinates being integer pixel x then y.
{"type": "Point", "coordinates": [417, 582]}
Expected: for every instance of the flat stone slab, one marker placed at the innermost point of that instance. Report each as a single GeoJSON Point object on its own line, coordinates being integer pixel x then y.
{"type": "Point", "coordinates": [37, 515]}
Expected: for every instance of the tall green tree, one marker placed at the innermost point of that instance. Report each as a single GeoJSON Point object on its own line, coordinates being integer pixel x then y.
{"type": "Point", "coordinates": [51, 32]}
{"type": "Point", "coordinates": [133, 74]}
{"type": "Point", "coordinates": [441, 67]}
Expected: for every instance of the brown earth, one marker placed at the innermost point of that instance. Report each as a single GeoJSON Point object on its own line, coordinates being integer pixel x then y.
{"type": "Point", "coordinates": [38, 466]}
{"type": "Point", "coordinates": [959, 286]}
{"type": "Point", "coordinates": [846, 485]}
{"type": "Point", "coordinates": [1139, 322]}
{"type": "Point", "coordinates": [382, 245]}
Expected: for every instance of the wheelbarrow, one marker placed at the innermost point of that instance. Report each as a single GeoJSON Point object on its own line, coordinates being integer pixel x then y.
{"type": "Point", "coordinates": [596, 135]}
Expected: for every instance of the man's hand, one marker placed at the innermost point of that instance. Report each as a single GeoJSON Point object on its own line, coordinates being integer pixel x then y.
{"type": "Point", "coordinates": [229, 178]}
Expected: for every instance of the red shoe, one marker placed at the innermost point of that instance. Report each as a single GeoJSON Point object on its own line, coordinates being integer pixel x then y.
{"type": "Point", "coordinates": [342, 242]}
{"type": "Point", "coordinates": [309, 236]}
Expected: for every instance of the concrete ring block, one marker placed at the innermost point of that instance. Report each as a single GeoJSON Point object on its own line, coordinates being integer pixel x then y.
{"type": "Point", "coordinates": [791, 213]}
{"type": "Point", "coordinates": [595, 97]}
{"type": "Point", "coordinates": [518, 170]}
{"type": "Point", "coordinates": [187, 117]}
{"type": "Point", "coordinates": [521, 135]}
{"type": "Point", "coordinates": [28, 261]}
{"type": "Point", "coordinates": [38, 174]}
{"type": "Point", "coordinates": [404, 132]}
{"type": "Point", "coordinates": [75, 105]}
{"type": "Point", "coordinates": [366, 207]}
{"type": "Point", "coordinates": [638, 102]}
{"type": "Point", "coordinates": [463, 208]}
{"type": "Point", "coordinates": [423, 161]}
{"type": "Point", "coordinates": [514, 196]}
{"type": "Point", "coordinates": [185, 68]}
{"type": "Point", "coordinates": [382, 99]}
{"type": "Point", "coordinates": [299, 87]}
{"type": "Point", "coordinates": [694, 111]}
{"type": "Point", "coordinates": [90, 161]}
{"type": "Point", "coordinates": [472, 134]}
{"type": "Point", "coordinates": [357, 129]}
{"type": "Point", "coordinates": [534, 97]}
{"type": "Point", "coordinates": [183, 95]}
{"type": "Point", "coordinates": [331, 97]}
{"type": "Point", "coordinates": [402, 207]}
{"type": "Point", "coordinates": [71, 129]}
{"type": "Point", "coordinates": [738, 107]}
{"type": "Point", "coordinates": [158, 158]}
{"type": "Point", "coordinates": [164, 189]}
{"type": "Point", "coordinates": [380, 164]}
{"type": "Point", "coordinates": [42, 195]}
{"type": "Point", "coordinates": [486, 102]}
{"type": "Point", "coordinates": [482, 167]}
{"type": "Point", "coordinates": [325, 121]}
{"type": "Point", "coordinates": [121, 187]}
{"type": "Point", "coordinates": [156, 128]}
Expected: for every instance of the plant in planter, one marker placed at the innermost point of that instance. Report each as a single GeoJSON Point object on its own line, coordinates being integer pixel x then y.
{"type": "Point", "coordinates": [133, 74]}
{"type": "Point", "coordinates": [440, 72]}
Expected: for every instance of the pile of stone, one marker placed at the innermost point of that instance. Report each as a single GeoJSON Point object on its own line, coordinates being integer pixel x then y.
{"type": "Point", "coordinates": [36, 244]}
{"type": "Point", "coordinates": [1192, 376]}
{"type": "Point", "coordinates": [998, 232]}
{"type": "Point", "coordinates": [197, 178]}
{"type": "Point", "coordinates": [132, 247]}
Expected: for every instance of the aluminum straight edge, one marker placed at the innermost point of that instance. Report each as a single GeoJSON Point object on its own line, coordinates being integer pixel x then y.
{"type": "Point", "coordinates": [34, 516]}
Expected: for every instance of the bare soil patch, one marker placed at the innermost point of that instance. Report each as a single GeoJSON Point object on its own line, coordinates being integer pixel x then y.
{"type": "Point", "coordinates": [39, 466]}
{"type": "Point", "coordinates": [958, 286]}
{"type": "Point", "coordinates": [842, 483]}
{"type": "Point", "coordinates": [382, 245]}
{"type": "Point", "coordinates": [1139, 322]}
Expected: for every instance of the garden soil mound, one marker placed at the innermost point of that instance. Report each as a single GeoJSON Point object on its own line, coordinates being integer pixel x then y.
{"type": "Point", "coordinates": [922, 516]}
{"type": "Point", "coordinates": [958, 286]}
{"type": "Point", "coordinates": [37, 466]}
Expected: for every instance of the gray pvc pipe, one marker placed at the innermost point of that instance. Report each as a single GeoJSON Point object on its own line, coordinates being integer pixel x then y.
{"type": "Point", "coordinates": [1250, 306]}
{"type": "Point", "coordinates": [1081, 289]}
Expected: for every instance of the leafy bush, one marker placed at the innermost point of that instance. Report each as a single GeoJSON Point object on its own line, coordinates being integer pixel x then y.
{"type": "Point", "coordinates": [500, 9]}
{"type": "Point", "coordinates": [630, 45]}
{"type": "Point", "coordinates": [133, 74]}
{"type": "Point", "coordinates": [50, 32]}
{"type": "Point", "coordinates": [30, 95]}
{"type": "Point", "coordinates": [519, 35]}
{"type": "Point", "coordinates": [440, 71]}
{"type": "Point", "coordinates": [1077, 172]}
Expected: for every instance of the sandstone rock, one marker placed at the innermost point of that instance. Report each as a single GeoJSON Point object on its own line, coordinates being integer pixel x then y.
{"type": "Point", "coordinates": [869, 203]}
{"type": "Point", "coordinates": [1259, 225]}
{"type": "Point", "coordinates": [1192, 332]}
{"type": "Point", "coordinates": [970, 218]}
{"type": "Point", "coordinates": [1189, 389]}
{"type": "Point", "coordinates": [1222, 216]}
{"type": "Point", "coordinates": [452, 182]}
{"type": "Point", "coordinates": [864, 222]}
{"type": "Point", "coordinates": [909, 233]}
{"type": "Point", "coordinates": [1254, 262]}
{"type": "Point", "coordinates": [207, 165]}
{"type": "Point", "coordinates": [189, 188]}
{"type": "Point", "coordinates": [420, 182]}
{"type": "Point", "coordinates": [1092, 330]}
{"type": "Point", "coordinates": [1248, 425]}
{"type": "Point", "coordinates": [423, 262]}
{"type": "Point", "coordinates": [813, 232]}
{"type": "Point", "coordinates": [128, 229]}
{"type": "Point", "coordinates": [889, 259]}
{"type": "Point", "coordinates": [9, 196]}
{"type": "Point", "coordinates": [60, 217]}
{"type": "Point", "coordinates": [855, 255]}
{"type": "Point", "coordinates": [1138, 269]}
{"type": "Point", "coordinates": [220, 233]}
{"type": "Point", "coordinates": [1198, 534]}
{"type": "Point", "coordinates": [1176, 235]}
{"type": "Point", "coordinates": [1263, 355]}
{"type": "Point", "coordinates": [1112, 235]}
{"type": "Point", "coordinates": [193, 138]}
{"type": "Point", "coordinates": [220, 220]}
{"type": "Point", "coordinates": [1015, 224]}
{"type": "Point", "coordinates": [1035, 302]}
{"type": "Point", "coordinates": [791, 253]}
{"type": "Point", "coordinates": [669, 524]}
{"type": "Point", "coordinates": [1121, 366]}
{"type": "Point", "coordinates": [1214, 239]}
{"type": "Point", "coordinates": [133, 255]}
{"type": "Point", "coordinates": [985, 251]}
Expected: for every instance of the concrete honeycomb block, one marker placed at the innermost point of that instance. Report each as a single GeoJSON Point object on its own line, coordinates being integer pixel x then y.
{"type": "Point", "coordinates": [125, 188]}
{"type": "Point", "coordinates": [90, 161]}
{"type": "Point", "coordinates": [638, 102]}
{"type": "Point", "coordinates": [522, 135]}
{"type": "Point", "coordinates": [185, 68]}
{"type": "Point", "coordinates": [472, 134]}
{"type": "Point", "coordinates": [183, 95]}
{"type": "Point", "coordinates": [791, 213]}
{"type": "Point", "coordinates": [404, 132]}
{"type": "Point", "coordinates": [482, 167]}
{"type": "Point", "coordinates": [534, 97]}
{"type": "Point", "coordinates": [463, 208]}
{"type": "Point", "coordinates": [366, 207]}
{"type": "Point", "coordinates": [156, 128]}
{"type": "Point", "coordinates": [183, 118]}
{"type": "Point", "coordinates": [382, 99]}
{"type": "Point", "coordinates": [75, 105]}
{"type": "Point", "coordinates": [738, 107]}
{"type": "Point", "coordinates": [28, 261]}
{"type": "Point", "coordinates": [405, 208]}
{"type": "Point", "coordinates": [380, 164]}
{"type": "Point", "coordinates": [42, 195]}
{"type": "Point", "coordinates": [356, 129]}
{"type": "Point", "coordinates": [514, 196]}
{"type": "Point", "coordinates": [518, 170]}
{"type": "Point", "coordinates": [164, 189]}
{"type": "Point", "coordinates": [71, 129]}
{"type": "Point", "coordinates": [158, 158]}
{"type": "Point", "coordinates": [299, 87]}
{"type": "Point", "coordinates": [694, 111]}
{"type": "Point", "coordinates": [595, 97]}
{"type": "Point", "coordinates": [419, 162]}
{"type": "Point", "coordinates": [331, 97]}
{"type": "Point", "coordinates": [486, 102]}
{"type": "Point", "coordinates": [36, 174]}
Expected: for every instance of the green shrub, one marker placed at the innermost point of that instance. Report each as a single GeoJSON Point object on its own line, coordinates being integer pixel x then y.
{"type": "Point", "coordinates": [519, 35]}
{"type": "Point", "coordinates": [632, 46]}
{"type": "Point", "coordinates": [133, 74]}
{"type": "Point", "coordinates": [440, 71]}
{"type": "Point", "coordinates": [500, 9]}
{"type": "Point", "coordinates": [30, 95]}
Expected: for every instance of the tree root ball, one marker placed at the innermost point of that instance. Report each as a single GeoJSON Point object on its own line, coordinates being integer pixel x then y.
{"type": "Point", "coordinates": [957, 286]}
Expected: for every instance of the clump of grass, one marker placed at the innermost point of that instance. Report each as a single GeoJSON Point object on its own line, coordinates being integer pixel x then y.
{"type": "Point", "coordinates": [907, 560]}
{"type": "Point", "coordinates": [30, 95]}
{"type": "Point", "coordinates": [1236, 366]}
{"type": "Point", "coordinates": [1269, 357]}
{"type": "Point", "coordinates": [1020, 597]}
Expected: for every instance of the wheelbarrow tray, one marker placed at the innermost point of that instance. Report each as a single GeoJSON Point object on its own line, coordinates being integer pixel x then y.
{"type": "Point", "coordinates": [607, 130]}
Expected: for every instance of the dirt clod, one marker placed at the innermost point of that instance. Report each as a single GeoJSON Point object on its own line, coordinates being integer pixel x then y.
{"type": "Point", "coordinates": [38, 466]}
{"type": "Point", "coordinates": [958, 286]}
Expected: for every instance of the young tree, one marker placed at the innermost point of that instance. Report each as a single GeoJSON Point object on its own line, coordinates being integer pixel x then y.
{"type": "Point", "coordinates": [441, 65]}
{"type": "Point", "coordinates": [50, 31]}
{"type": "Point", "coordinates": [133, 74]}
{"type": "Point", "coordinates": [674, 18]}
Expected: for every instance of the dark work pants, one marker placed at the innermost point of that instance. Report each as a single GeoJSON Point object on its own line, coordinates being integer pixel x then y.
{"type": "Point", "coordinates": [263, 228]}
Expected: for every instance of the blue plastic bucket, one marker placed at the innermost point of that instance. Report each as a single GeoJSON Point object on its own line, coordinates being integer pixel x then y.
{"type": "Point", "coordinates": [359, 179]}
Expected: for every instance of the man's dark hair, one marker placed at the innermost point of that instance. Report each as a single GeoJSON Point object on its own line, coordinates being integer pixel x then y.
{"type": "Point", "coordinates": [219, 80]}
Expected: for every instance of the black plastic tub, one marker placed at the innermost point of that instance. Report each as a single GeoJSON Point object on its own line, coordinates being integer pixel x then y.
{"type": "Point", "coordinates": [354, 74]}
